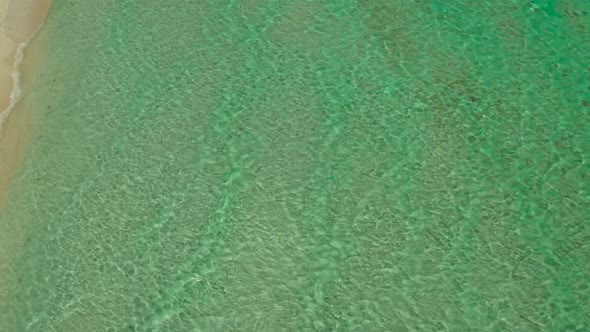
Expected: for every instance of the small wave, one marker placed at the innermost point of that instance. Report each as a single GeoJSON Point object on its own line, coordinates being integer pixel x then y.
{"type": "Point", "coordinates": [16, 88]}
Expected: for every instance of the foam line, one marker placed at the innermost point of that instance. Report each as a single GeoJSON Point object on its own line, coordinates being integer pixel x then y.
{"type": "Point", "coordinates": [15, 93]}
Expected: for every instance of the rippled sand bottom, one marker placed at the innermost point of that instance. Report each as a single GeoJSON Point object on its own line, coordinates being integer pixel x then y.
{"type": "Point", "coordinates": [304, 165]}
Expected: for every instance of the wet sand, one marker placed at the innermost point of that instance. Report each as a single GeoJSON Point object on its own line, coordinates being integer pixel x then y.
{"type": "Point", "coordinates": [19, 21]}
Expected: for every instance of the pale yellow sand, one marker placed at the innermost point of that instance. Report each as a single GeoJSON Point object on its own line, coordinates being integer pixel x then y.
{"type": "Point", "coordinates": [19, 20]}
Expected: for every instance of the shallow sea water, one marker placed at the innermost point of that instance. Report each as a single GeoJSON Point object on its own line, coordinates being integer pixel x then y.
{"type": "Point", "coordinates": [338, 165]}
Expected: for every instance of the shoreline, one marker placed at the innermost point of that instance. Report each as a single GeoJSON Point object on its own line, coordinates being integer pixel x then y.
{"type": "Point", "coordinates": [20, 20]}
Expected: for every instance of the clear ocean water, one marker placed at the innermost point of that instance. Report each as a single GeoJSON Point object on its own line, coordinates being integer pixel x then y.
{"type": "Point", "coordinates": [305, 165]}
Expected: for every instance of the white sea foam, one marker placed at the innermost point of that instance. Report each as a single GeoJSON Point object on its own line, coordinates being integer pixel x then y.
{"type": "Point", "coordinates": [16, 91]}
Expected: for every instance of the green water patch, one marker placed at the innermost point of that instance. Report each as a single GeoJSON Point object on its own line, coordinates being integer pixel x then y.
{"type": "Point", "coordinates": [305, 165]}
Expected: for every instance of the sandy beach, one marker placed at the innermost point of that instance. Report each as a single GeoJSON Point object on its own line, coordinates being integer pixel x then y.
{"type": "Point", "coordinates": [19, 21]}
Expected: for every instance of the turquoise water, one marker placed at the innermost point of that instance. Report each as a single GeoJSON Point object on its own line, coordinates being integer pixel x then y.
{"type": "Point", "coordinates": [305, 166]}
